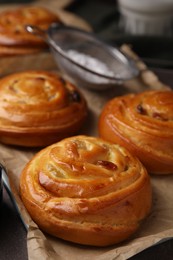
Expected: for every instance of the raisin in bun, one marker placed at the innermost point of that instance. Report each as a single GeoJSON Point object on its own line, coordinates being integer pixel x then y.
{"type": "Point", "coordinates": [13, 34]}
{"type": "Point", "coordinates": [143, 123]}
{"type": "Point", "coordinates": [86, 190]}
{"type": "Point", "coordinates": [38, 108]}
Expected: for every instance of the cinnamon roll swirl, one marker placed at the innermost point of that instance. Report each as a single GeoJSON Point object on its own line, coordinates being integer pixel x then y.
{"type": "Point", "coordinates": [13, 22]}
{"type": "Point", "coordinates": [143, 123]}
{"type": "Point", "coordinates": [86, 190]}
{"type": "Point", "coordinates": [38, 108]}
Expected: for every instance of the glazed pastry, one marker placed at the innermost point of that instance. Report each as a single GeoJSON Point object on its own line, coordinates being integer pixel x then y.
{"type": "Point", "coordinates": [38, 108]}
{"type": "Point", "coordinates": [7, 51]}
{"type": "Point", "coordinates": [86, 190]}
{"type": "Point", "coordinates": [12, 27]}
{"type": "Point", "coordinates": [143, 123]}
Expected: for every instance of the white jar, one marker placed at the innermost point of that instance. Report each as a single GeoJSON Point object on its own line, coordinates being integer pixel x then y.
{"type": "Point", "coordinates": [149, 17]}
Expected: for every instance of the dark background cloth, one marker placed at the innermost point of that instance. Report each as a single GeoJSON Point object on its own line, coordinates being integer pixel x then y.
{"type": "Point", "coordinates": [103, 16]}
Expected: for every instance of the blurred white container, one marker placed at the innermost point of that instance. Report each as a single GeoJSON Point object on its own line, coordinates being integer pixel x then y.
{"type": "Point", "coordinates": [149, 17]}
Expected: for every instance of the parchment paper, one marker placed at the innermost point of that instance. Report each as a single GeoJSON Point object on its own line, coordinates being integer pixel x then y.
{"type": "Point", "coordinates": [158, 226]}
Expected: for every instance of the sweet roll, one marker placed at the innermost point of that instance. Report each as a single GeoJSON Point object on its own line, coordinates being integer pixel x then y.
{"type": "Point", "coordinates": [86, 190]}
{"type": "Point", "coordinates": [143, 123]}
{"type": "Point", "coordinates": [38, 108]}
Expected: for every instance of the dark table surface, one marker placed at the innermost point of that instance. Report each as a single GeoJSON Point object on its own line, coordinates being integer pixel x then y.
{"type": "Point", "coordinates": [103, 16]}
{"type": "Point", "coordinates": [13, 234]}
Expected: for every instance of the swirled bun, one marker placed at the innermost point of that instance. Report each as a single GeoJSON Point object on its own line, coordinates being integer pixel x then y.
{"type": "Point", "coordinates": [38, 108]}
{"type": "Point", "coordinates": [8, 51]}
{"type": "Point", "coordinates": [14, 39]}
{"type": "Point", "coordinates": [143, 123]}
{"type": "Point", "coordinates": [86, 190]}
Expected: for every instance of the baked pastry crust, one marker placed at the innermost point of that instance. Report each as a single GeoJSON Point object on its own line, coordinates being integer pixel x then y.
{"type": "Point", "coordinates": [8, 51]}
{"type": "Point", "coordinates": [38, 108]}
{"type": "Point", "coordinates": [143, 123]}
{"type": "Point", "coordinates": [13, 22]}
{"type": "Point", "coordinates": [86, 190]}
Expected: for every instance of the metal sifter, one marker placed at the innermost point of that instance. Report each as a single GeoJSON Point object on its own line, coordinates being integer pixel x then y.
{"type": "Point", "coordinates": [84, 59]}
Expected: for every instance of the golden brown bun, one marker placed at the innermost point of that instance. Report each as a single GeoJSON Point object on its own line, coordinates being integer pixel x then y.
{"type": "Point", "coordinates": [86, 190]}
{"type": "Point", "coordinates": [38, 108]}
{"type": "Point", "coordinates": [12, 27]}
{"type": "Point", "coordinates": [143, 123]}
{"type": "Point", "coordinates": [8, 51]}
{"type": "Point", "coordinates": [13, 22]}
